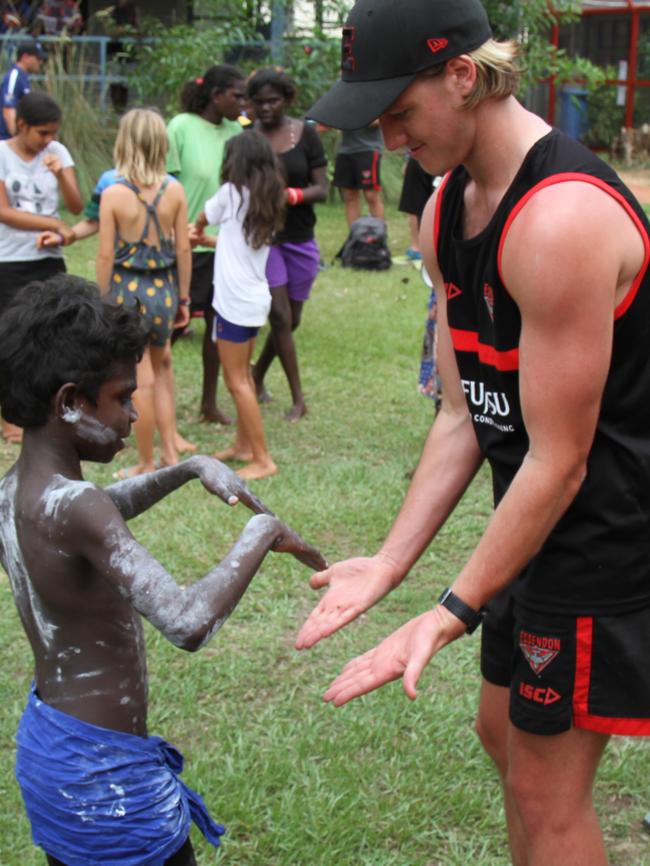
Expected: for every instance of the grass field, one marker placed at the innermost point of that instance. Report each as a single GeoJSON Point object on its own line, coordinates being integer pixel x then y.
{"type": "Point", "coordinates": [383, 781]}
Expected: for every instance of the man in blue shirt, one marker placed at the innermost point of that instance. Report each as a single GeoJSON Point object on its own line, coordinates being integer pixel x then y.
{"type": "Point", "coordinates": [29, 59]}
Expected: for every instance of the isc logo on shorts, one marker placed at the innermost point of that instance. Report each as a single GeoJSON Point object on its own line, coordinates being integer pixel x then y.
{"type": "Point", "coordinates": [538, 695]}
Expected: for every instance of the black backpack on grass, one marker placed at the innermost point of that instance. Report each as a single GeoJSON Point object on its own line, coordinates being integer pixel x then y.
{"type": "Point", "coordinates": [366, 246]}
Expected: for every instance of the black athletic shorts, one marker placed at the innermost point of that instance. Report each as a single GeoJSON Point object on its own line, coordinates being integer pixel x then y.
{"type": "Point", "coordinates": [202, 284]}
{"type": "Point", "coordinates": [417, 188]}
{"type": "Point", "coordinates": [562, 672]}
{"type": "Point", "coordinates": [16, 275]}
{"type": "Point", "coordinates": [358, 170]}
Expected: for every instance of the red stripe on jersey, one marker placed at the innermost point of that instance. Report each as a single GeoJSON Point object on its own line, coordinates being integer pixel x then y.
{"type": "Point", "coordinates": [582, 718]}
{"type": "Point", "coordinates": [565, 177]}
{"type": "Point", "coordinates": [468, 341]}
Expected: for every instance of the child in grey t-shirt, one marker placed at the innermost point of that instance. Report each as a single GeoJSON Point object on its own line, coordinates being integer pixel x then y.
{"type": "Point", "coordinates": [34, 171]}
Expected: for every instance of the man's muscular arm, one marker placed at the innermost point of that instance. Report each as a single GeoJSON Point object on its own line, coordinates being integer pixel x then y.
{"type": "Point", "coordinates": [566, 275]}
{"type": "Point", "coordinates": [449, 461]}
{"type": "Point", "coordinates": [567, 293]}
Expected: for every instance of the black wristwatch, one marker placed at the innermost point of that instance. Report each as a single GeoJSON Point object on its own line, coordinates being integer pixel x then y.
{"type": "Point", "coordinates": [472, 618]}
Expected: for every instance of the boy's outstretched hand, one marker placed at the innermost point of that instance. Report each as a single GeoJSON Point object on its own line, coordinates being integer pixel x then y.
{"type": "Point", "coordinates": [290, 542]}
{"type": "Point", "coordinates": [220, 480]}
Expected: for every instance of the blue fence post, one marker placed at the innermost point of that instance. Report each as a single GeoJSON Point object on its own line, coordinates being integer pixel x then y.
{"type": "Point", "coordinates": [277, 31]}
{"type": "Point", "coordinates": [102, 73]}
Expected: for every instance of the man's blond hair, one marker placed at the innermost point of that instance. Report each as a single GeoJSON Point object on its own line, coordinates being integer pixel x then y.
{"type": "Point", "coordinates": [497, 71]}
{"type": "Point", "coordinates": [140, 151]}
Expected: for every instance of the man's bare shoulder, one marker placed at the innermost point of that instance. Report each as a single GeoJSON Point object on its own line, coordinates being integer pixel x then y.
{"type": "Point", "coordinates": [567, 239]}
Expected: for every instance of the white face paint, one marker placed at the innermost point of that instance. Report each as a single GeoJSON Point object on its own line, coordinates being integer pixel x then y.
{"type": "Point", "coordinates": [71, 416]}
{"type": "Point", "coordinates": [95, 432]}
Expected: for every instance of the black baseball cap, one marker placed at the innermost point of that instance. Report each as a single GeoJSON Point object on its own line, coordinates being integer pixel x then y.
{"type": "Point", "coordinates": [37, 49]}
{"type": "Point", "coordinates": [386, 43]}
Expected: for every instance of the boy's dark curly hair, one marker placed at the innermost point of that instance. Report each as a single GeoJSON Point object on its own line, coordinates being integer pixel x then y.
{"type": "Point", "coordinates": [56, 331]}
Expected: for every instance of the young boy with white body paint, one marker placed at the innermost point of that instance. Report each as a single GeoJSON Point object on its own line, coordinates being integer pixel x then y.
{"type": "Point", "coordinates": [96, 787]}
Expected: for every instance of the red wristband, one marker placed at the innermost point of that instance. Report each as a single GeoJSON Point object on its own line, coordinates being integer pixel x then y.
{"type": "Point", "coordinates": [295, 195]}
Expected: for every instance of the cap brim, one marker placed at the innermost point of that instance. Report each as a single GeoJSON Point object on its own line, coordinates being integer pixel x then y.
{"type": "Point", "coordinates": [353, 104]}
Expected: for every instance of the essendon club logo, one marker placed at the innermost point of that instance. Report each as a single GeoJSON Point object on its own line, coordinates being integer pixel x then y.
{"type": "Point", "coordinates": [452, 291]}
{"type": "Point", "coordinates": [348, 63]}
{"type": "Point", "coordinates": [539, 651]}
{"type": "Point", "coordinates": [488, 297]}
{"type": "Point", "coordinates": [436, 45]}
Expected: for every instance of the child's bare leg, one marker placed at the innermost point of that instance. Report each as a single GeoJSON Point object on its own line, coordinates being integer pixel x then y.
{"type": "Point", "coordinates": [182, 445]}
{"type": "Point", "coordinates": [240, 449]}
{"type": "Point", "coordinates": [280, 342]}
{"type": "Point", "coordinates": [235, 359]}
{"type": "Point", "coordinates": [144, 428]}
{"type": "Point", "coordinates": [164, 408]}
{"type": "Point", "coordinates": [210, 357]}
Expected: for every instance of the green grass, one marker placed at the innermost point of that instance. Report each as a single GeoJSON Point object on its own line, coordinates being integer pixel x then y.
{"type": "Point", "coordinates": [383, 781]}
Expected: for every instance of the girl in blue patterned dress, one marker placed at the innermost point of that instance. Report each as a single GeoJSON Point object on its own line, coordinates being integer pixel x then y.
{"type": "Point", "coordinates": [144, 260]}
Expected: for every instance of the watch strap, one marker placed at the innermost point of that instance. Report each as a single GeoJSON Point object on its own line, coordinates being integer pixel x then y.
{"type": "Point", "coordinates": [472, 618]}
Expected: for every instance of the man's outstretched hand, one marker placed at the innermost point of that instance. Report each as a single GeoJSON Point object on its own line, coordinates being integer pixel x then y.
{"type": "Point", "coordinates": [354, 586]}
{"type": "Point", "coordinates": [405, 653]}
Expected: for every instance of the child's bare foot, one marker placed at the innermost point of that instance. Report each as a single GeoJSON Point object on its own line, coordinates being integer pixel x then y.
{"type": "Point", "coordinates": [257, 470]}
{"type": "Point", "coordinates": [183, 445]}
{"type": "Point", "coordinates": [297, 411]}
{"type": "Point", "coordinates": [234, 453]}
{"type": "Point", "coordinates": [132, 471]}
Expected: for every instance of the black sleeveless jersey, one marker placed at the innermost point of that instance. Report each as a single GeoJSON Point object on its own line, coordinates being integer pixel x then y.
{"type": "Point", "coordinates": [597, 559]}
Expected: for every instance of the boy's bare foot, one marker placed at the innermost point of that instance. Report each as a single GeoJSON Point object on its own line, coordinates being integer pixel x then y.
{"type": "Point", "coordinates": [257, 470]}
{"type": "Point", "coordinates": [233, 453]}
{"type": "Point", "coordinates": [183, 445]}
{"type": "Point", "coordinates": [215, 416]}
{"type": "Point", "coordinates": [297, 411]}
{"type": "Point", "coordinates": [132, 471]}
